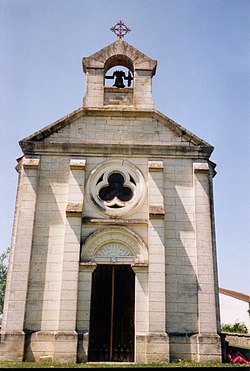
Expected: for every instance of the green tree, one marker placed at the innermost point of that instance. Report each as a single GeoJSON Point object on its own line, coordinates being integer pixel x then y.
{"type": "Point", "coordinates": [237, 327]}
{"type": "Point", "coordinates": [4, 260]}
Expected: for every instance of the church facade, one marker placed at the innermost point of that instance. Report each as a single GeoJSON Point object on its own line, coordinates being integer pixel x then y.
{"type": "Point", "coordinates": [113, 254]}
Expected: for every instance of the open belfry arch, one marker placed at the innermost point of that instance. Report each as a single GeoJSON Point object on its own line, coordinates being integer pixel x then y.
{"type": "Point", "coordinates": [113, 254]}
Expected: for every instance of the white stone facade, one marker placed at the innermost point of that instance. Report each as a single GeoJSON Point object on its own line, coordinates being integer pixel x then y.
{"type": "Point", "coordinates": [65, 225]}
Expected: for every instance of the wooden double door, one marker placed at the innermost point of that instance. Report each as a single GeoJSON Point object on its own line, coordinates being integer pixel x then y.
{"type": "Point", "coordinates": [111, 334]}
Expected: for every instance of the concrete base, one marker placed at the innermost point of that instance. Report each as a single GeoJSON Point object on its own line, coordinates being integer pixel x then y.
{"type": "Point", "coordinates": [12, 346]}
{"type": "Point", "coordinates": [183, 347]}
{"type": "Point", "coordinates": [56, 346]}
{"type": "Point", "coordinates": [209, 348]}
{"type": "Point", "coordinates": [195, 347]}
{"type": "Point", "coordinates": [150, 348]}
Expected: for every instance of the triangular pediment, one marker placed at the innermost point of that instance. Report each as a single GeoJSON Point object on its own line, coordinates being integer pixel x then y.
{"type": "Point", "coordinates": [85, 128]}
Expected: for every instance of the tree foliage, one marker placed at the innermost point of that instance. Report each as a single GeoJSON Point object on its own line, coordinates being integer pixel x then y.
{"type": "Point", "coordinates": [4, 260]}
{"type": "Point", "coordinates": [237, 327]}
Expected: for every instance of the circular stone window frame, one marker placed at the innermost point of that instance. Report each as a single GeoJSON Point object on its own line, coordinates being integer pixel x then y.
{"type": "Point", "coordinates": [128, 171]}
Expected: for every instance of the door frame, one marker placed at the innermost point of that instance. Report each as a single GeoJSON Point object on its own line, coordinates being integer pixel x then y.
{"type": "Point", "coordinates": [115, 322]}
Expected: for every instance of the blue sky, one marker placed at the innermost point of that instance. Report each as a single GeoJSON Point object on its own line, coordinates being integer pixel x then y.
{"type": "Point", "coordinates": [202, 82]}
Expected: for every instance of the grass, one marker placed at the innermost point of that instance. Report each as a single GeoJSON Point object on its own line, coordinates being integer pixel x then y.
{"type": "Point", "coordinates": [181, 364]}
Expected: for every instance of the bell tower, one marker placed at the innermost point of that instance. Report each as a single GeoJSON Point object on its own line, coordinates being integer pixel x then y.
{"type": "Point", "coordinates": [132, 77]}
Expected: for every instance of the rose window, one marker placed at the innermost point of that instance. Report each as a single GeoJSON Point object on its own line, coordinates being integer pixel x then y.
{"type": "Point", "coordinates": [116, 188]}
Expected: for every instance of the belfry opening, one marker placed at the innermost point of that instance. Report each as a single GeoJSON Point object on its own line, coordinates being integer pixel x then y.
{"type": "Point", "coordinates": [118, 72]}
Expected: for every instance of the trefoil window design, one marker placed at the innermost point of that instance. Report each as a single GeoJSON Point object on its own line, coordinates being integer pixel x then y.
{"type": "Point", "coordinates": [116, 188]}
{"type": "Point", "coordinates": [116, 193]}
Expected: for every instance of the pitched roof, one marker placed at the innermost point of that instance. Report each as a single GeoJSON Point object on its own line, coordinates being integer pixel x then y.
{"type": "Point", "coordinates": [235, 294]}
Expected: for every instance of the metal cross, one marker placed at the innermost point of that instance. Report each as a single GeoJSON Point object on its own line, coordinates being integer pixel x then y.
{"type": "Point", "coordinates": [120, 29]}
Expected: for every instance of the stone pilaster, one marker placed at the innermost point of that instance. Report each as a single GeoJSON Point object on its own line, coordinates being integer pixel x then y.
{"type": "Point", "coordinates": [208, 341]}
{"type": "Point", "coordinates": [12, 335]}
{"type": "Point", "coordinates": [157, 340]}
{"type": "Point", "coordinates": [142, 312]}
{"type": "Point", "coordinates": [70, 271]}
{"type": "Point", "coordinates": [69, 285]}
{"type": "Point", "coordinates": [83, 309]}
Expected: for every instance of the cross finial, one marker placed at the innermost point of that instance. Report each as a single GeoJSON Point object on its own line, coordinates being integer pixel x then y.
{"type": "Point", "coordinates": [120, 29]}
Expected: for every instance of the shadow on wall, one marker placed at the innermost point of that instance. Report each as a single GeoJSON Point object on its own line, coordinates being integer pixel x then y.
{"type": "Point", "coordinates": [181, 262]}
{"type": "Point", "coordinates": [44, 290]}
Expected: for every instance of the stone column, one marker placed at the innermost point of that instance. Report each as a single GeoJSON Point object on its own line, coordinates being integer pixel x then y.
{"type": "Point", "coordinates": [158, 345]}
{"type": "Point", "coordinates": [209, 346]}
{"type": "Point", "coordinates": [65, 348]}
{"type": "Point", "coordinates": [12, 336]}
{"type": "Point", "coordinates": [83, 309]}
{"type": "Point", "coordinates": [141, 312]}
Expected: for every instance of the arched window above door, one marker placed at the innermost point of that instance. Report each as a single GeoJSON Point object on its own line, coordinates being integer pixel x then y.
{"type": "Point", "coordinates": [114, 245]}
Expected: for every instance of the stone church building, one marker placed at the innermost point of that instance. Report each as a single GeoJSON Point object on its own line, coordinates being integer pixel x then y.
{"type": "Point", "coordinates": [113, 254]}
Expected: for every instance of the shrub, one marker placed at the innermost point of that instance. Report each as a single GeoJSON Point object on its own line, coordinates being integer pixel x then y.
{"type": "Point", "coordinates": [3, 275]}
{"type": "Point", "coordinates": [237, 327]}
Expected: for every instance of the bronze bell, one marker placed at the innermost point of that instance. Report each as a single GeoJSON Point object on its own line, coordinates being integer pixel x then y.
{"type": "Point", "coordinates": [119, 79]}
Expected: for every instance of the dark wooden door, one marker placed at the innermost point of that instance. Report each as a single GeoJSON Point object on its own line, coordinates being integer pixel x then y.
{"type": "Point", "coordinates": [111, 335]}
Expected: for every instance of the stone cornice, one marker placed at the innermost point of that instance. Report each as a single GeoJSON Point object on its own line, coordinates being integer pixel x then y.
{"type": "Point", "coordinates": [117, 149]}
